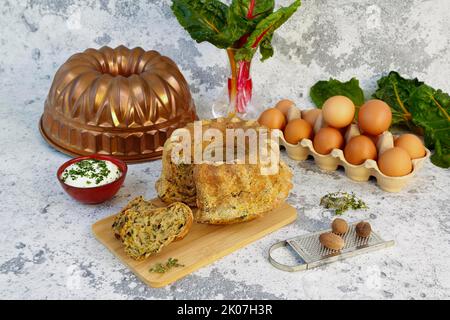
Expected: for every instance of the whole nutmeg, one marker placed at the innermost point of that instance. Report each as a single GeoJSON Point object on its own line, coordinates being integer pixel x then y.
{"type": "Point", "coordinates": [363, 229]}
{"type": "Point", "coordinates": [339, 226]}
{"type": "Point", "coordinates": [331, 241]}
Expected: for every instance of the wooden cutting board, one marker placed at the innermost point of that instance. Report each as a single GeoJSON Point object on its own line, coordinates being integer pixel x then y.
{"type": "Point", "coordinates": [203, 245]}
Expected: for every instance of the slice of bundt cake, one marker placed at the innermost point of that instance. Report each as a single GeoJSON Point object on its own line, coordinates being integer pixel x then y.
{"type": "Point", "coordinates": [144, 229]}
{"type": "Point", "coordinates": [137, 204]}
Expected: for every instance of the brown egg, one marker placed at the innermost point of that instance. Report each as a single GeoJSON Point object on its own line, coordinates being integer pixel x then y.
{"type": "Point", "coordinates": [373, 138]}
{"type": "Point", "coordinates": [412, 144]}
{"type": "Point", "coordinates": [374, 117]}
{"type": "Point", "coordinates": [296, 130]}
{"type": "Point", "coordinates": [359, 149]}
{"type": "Point", "coordinates": [311, 115]}
{"type": "Point", "coordinates": [284, 105]}
{"type": "Point", "coordinates": [327, 139]}
{"type": "Point", "coordinates": [293, 113]}
{"type": "Point", "coordinates": [338, 111]}
{"type": "Point", "coordinates": [272, 118]}
{"type": "Point", "coordinates": [395, 162]}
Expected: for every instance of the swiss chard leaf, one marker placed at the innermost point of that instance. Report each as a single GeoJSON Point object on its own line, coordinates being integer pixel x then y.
{"type": "Point", "coordinates": [245, 24]}
{"type": "Point", "coordinates": [266, 49]}
{"type": "Point", "coordinates": [209, 20]}
{"type": "Point", "coordinates": [422, 109]}
{"type": "Point", "coordinates": [395, 91]}
{"type": "Point", "coordinates": [264, 30]}
{"type": "Point", "coordinates": [430, 111]}
{"type": "Point", "coordinates": [323, 90]}
{"type": "Point", "coordinates": [202, 19]}
{"type": "Point", "coordinates": [252, 10]}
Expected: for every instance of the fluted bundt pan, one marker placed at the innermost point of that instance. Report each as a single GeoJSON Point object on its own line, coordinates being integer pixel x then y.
{"type": "Point", "coordinates": [120, 102]}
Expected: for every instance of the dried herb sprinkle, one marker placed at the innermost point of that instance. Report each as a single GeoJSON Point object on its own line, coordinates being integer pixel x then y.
{"type": "Point", "coordinates": [162, 268]}
{"type": "Point", "coordinates": [342, 201]}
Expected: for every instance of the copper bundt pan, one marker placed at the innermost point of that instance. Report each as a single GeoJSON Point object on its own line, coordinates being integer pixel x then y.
{"type": "Point", "coordinates": [118, 102]}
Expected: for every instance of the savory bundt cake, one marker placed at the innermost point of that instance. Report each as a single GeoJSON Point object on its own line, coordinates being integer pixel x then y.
{"type": "Point", "coordinates": [223, 192]}
{"type": "Point", "coordinates": [144, 228]}
{"type": "Point", "coordinates": [176, 182]}
{"type": "Point", "coordinates": [122, 102]}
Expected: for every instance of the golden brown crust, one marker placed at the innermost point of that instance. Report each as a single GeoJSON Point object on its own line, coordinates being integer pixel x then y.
{"type": "Point", "coordinates": [225, 193]}
{"type": "Point", "coordinates": [236, 193]}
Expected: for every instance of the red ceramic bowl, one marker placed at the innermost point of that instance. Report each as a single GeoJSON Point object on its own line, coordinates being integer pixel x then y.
{"type": "Point", "coordinates": [95, 194]}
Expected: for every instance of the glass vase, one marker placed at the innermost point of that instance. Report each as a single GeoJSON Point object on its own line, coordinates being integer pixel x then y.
{"type": "Point", "coordinates": [237, 99]}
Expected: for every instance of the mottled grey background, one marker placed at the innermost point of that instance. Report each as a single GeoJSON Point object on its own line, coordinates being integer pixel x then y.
{"type": "Point", "coordinates": [46, 246]}
{"type": "Point", "coordinates": [338, 38]}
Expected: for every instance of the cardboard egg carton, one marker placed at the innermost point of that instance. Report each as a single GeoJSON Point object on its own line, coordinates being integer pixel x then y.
{"type": "Point", "coordinates": [362, 172]}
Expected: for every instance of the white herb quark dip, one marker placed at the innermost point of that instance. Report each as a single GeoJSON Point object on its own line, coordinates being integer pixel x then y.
{"type": "Point", "coordinates": [90, 173]}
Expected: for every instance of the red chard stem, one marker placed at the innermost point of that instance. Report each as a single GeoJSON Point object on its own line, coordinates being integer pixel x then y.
{"type": "Point", "coordinates": [260, 37]}
{"type": "Point", "coordinates": [251, 7]}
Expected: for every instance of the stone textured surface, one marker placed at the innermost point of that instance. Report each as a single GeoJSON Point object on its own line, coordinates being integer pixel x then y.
{"type": "Point", "coordinates": [46, 246]}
